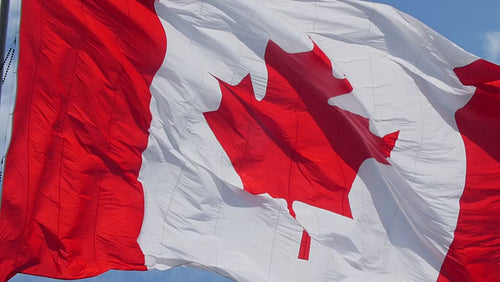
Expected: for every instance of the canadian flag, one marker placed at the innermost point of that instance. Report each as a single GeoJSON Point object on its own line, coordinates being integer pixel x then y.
{"type": "Point", "coordinates": [265, 140]}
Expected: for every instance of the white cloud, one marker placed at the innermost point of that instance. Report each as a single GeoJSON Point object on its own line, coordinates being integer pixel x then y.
{"type": "Point", "coordinates": [491, 45]}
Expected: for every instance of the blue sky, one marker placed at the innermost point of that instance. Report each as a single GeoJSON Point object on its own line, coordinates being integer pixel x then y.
{"type": "Point", "coordinates": [473, 25]}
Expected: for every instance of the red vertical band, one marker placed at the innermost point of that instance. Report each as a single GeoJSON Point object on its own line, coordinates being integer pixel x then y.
{"type": "Point", "coordinates": [72, 206]}
{"type": "Point", "coordinates": [474, 254]}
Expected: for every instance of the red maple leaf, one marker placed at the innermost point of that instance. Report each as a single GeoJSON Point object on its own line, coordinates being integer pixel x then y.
{"type": "Point", "coordinates": [294, 145]}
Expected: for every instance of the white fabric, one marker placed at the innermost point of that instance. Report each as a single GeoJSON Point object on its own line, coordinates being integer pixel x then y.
{"type": "Point", "coordinates": [9, 87]}
{"type": "Point", "coordinates": [404, 215]}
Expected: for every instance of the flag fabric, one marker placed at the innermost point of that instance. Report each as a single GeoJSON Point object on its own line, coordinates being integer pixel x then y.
{"type": "Point", "coordinates": [263, 140]}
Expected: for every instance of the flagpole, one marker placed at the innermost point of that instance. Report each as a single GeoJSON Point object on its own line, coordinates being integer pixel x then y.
{"type": "Point", "coordinates": [4, 15]}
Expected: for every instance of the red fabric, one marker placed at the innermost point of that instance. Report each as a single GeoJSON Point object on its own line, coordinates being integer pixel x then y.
{"type": "Point", "coordinates": [72, 206]}
{"type": "Point", "coordinates": [475, 252]}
